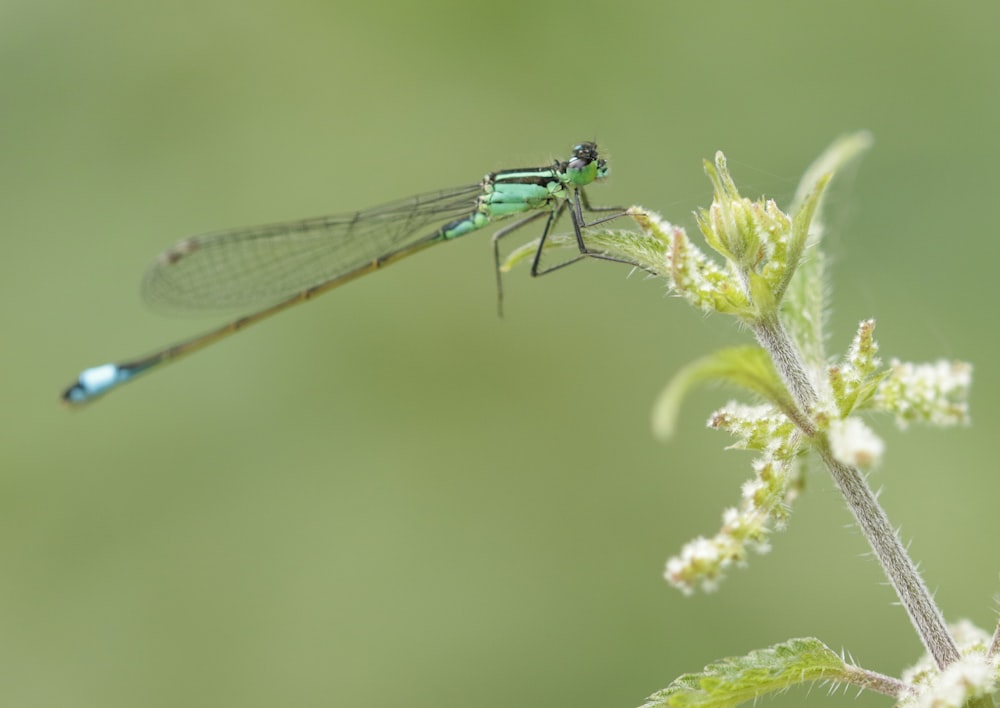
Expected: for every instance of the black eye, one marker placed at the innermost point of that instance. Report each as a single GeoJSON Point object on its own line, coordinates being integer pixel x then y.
{"type": "Point", "coordinates": [586, 151]}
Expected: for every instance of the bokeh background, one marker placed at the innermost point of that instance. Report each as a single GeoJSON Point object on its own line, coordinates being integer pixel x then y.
{"type": "Point", "coordinates": [390, 495]}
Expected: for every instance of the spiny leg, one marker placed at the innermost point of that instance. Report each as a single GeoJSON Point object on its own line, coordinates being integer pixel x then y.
{"type": "Point", "coordinates": [496, 248]}
{"type": "Point", "coordinates": [579, 204]}
{"type": "Point", "coordinates": [584, 202]}
{"type": "Point", "coordinates": [553, 218]}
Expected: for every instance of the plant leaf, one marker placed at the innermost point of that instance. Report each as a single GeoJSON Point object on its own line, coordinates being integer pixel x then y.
{"type": "Point", "coordinates": [735, 680]}
{"type": "Point", "coordinates": [642, 249]}
{"type": "Point", "coordinates": [748, 367]}
{"type": "Point", "coordinates": [842, 151]}
{"type": "Point", "coordinates": [804, 304]}
{"type": "Point", "coordinates": [804, 307]}
{"type": "Point", "coordinates": [801, 223]}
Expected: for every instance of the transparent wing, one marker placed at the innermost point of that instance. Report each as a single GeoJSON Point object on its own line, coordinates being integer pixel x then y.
{"type": "Point", "coordinates": [248, 267]}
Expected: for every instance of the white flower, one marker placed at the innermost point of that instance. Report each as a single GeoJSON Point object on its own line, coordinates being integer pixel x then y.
{"type": "Point", "coordinates": [853, 443]}
{"type": "Point", "coordinates": [970, 677]}
{"type": "Point", "coordinates": [930, 393]}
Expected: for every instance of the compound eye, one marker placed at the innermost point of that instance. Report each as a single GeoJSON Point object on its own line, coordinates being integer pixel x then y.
{"type": "Point", "coordinates": [585, 151]}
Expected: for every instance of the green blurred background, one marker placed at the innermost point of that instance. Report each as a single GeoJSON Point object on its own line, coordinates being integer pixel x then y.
{"type": "Point", "coordinates": [390, 495]}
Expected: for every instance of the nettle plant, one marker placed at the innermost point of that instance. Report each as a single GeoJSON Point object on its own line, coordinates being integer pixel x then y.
{"type": "Point", "coordinates": [771, 279]}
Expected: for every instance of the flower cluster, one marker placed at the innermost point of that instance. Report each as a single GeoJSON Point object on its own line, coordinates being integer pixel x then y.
{"type": "Point", "coordinates": [926, 393]}
{"type": "Point", "coordinates": [690, 272]}
{"type": "Point", "coordinates": [767, 272]}
{"type": "Point", "coordinates": [768, 275]}
{"type": "Point", "coordinates": [974, 675]}
{"type": "Point", "coordinates": [765, 498]}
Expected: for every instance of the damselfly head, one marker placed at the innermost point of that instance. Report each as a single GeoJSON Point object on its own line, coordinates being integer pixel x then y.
{"type": "Point", "coordinates": [585, 166]}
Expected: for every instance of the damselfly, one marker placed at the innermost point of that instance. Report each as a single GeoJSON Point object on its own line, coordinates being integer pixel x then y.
{"type": "Point", "coordinates": [279, 265]}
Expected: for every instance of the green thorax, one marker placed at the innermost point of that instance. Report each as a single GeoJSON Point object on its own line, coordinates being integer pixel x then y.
{"type": "Point", "coordinates": [528, 189]}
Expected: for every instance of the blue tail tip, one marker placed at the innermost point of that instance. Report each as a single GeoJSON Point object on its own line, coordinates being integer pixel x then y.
{"type": "Point", "coordinates": [94, 382]}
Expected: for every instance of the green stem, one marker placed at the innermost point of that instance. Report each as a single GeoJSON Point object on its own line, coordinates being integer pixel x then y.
{"type": "Point", "coordinates": [995, 644]}
{"type": "Point", "coordinates": [871, 518]}
{"type": "Point", "coordinates": [788, 363]}
{"type": "Point", "coordinates": [898, 566]}
{"type": "Point", "coordinates": [874, 681]}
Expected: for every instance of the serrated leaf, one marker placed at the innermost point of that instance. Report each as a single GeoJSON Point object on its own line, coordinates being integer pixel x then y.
{"type": "Point", "coordinates": [527, 251]}
{"type": "Point", "coordinates": [640, 249]}
{"type": "Point", "coordinates": [803, 306]}
{"type": "Point", "coordinates": [862, 397]}
{"type": "Point", "coordinates": [842, 151]}
{"type": "Point", "coordinates": [748, 367]}
{"type": "Point", "coordinates": [801, 223]}
{"type": "Point", "coordinates": [736, 680]}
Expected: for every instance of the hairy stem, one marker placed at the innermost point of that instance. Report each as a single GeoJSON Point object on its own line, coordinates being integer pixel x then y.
{"type": "Point", "coordinates": [788, 363]}
{"type": "Point", "coordinates": [995, 644]}
{"type": "Point", "coordinates": [874, 681]}
{"type": "Point", "coordinates": [871, 518]}
{"type": "Point", "coordinates": [898, 566]}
